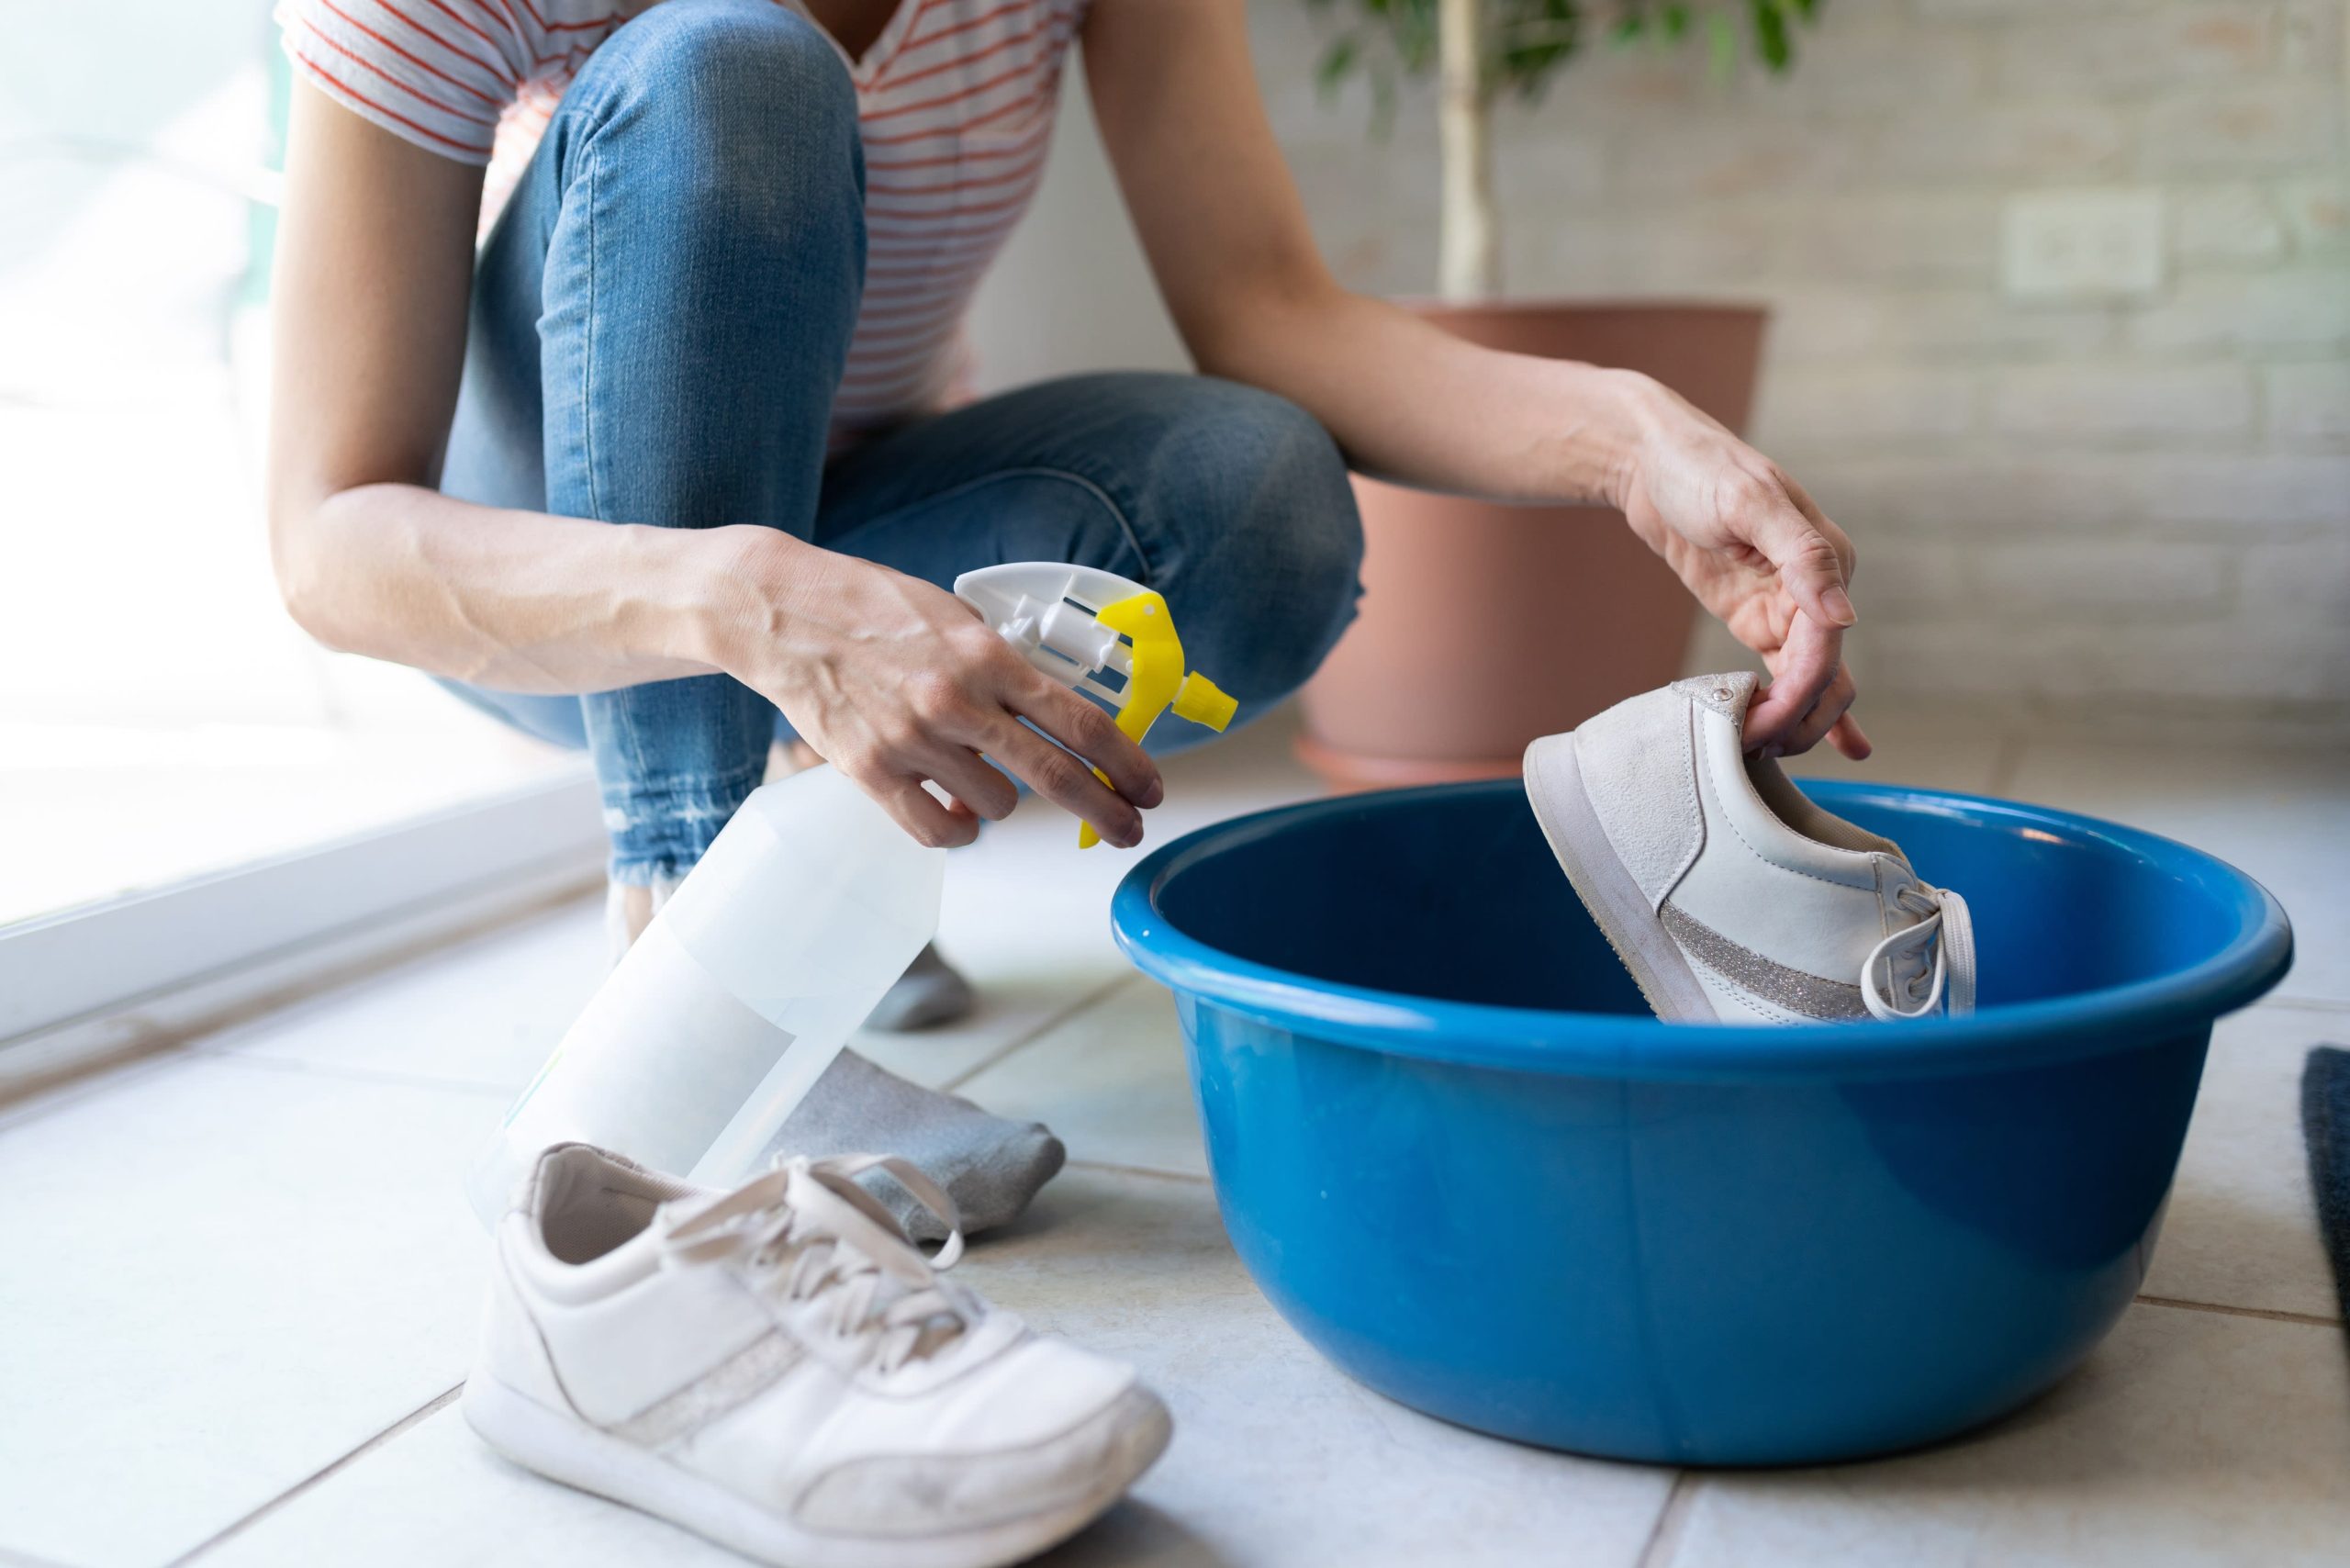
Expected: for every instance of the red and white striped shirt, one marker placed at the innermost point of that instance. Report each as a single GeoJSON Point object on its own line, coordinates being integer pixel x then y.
{"type": "Point", "coordinates": [955, 101]}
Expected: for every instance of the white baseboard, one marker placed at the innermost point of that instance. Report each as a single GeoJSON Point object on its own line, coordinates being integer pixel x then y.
{"type": "Point", "coordinates": [134, 976]}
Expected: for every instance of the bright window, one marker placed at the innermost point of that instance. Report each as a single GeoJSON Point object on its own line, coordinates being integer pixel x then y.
{"type": "Point", "coordinates": [159, 715]}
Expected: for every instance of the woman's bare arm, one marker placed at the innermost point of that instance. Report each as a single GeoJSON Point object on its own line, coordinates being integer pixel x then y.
{"type": "Point", "coordinates": [374, 269]}
{"type": "Point", "coordinates": [1228, 238]}
{"type": "Point", "coordinates": [889, 678]}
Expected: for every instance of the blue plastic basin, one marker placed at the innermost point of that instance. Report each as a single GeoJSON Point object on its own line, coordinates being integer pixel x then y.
{"type": "Point", "coordinates": [1460, 1157]}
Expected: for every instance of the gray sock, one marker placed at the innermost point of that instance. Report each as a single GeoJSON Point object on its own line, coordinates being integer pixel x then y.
{"type": "Point", "coordinates": [990, 1166]}
{"type": "Point", "coordinates": [929, 992]}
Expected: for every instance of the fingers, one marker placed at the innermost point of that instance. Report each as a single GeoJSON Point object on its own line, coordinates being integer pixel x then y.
{"type": "Point", "coordinates": [1807, 666]}
{"type": "Point", "coordinates": [965, 774]}
{"type": "Point", "coordinates": [1801, 549]}
{"type": "Point", "coordinates": [1825, 715]}
{"type": "Point", "coordinates": [1847, 738]}
{"type": "Point", "coordinates": [978, 791]}
{"type": "Point", "coordinates": [952, 717]}
{"type": "Point", "coordinates": [1836, 536]}
{"type": "Point", "coordinates": [1063, 779]}
{"type": "Point", "coordinates": [932, 822]}
{"type": "Point", "coordinates": [1091, 733]}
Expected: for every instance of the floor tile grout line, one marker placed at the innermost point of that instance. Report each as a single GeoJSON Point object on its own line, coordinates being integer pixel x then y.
{"type": "Point", "coordinates": [2267, 1314]}
{"type": "Point", "coordinates": [138, 1071]}
{"type": "Point", "coordinates": [354, 1074]}
{"type": "Point", "coordinates": [1038, 1030]}
{"type": "Point", "coordinates": [1152, 1171]}
{"type": "Point", "coordinates": [1663, 1543]}
{"type": "Point", "coordinates": [2307, 1003]}
{"type": "Point", "coordinates": [153, 1044]}
{"type": "Point", "coordinates": [12, 1558]}
{"type": "Point", "coordinates": [439, 1402]}
{"type": "Point", "coordinates": [15, 1113]}
{"type": "Point", "coordinates": [191, 1052]}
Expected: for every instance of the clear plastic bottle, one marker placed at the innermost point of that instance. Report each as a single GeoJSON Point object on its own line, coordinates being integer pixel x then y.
{"type": "Point", "coordinates": [806, 908]}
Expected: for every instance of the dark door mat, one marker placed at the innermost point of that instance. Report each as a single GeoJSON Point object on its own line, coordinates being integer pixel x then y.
{"type": "Point", "coordinates": [2325, 1121]}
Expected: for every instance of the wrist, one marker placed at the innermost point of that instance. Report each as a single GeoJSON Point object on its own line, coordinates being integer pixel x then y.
{"type": "Point", "coordinates": [1598, 449]}
{"type": "Point", "coordinates": [708, 590]}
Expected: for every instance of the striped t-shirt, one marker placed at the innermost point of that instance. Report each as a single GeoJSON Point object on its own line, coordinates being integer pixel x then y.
{"type": "Point", "coordinates": [955, 102]}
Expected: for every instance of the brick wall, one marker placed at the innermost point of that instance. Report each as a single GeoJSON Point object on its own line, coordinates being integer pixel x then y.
{"type": "Point", "coordinates": [2122, 513]}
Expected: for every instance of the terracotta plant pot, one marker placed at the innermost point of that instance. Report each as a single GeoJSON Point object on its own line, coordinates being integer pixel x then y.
{"type": "Point", "coordinates": [1482, 625]}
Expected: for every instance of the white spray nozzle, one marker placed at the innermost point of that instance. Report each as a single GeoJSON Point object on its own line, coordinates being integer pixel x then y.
{"type": "Point", "coordinates": [1076, 622]}
{"type": "Point", "coordinates": [1047, 609]}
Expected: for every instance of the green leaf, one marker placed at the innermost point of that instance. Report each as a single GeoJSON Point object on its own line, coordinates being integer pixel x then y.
{"type": "Point", "coordinates": [1330, 72]}
{"type": "Point", "coordinates": [1528, 42]}
{"type": "Point", "coordinates": [1721, 41]}
{"type": "Point", "coordinates": [1769, 33]}
{"type": "Point", "coordinates": [1412, 23]}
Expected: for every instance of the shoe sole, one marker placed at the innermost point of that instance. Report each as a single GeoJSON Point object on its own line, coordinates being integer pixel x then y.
{"type": "Point", "coordinates": [1623, 914]}
{"type": "Point", "coordinates": [564, 1449]}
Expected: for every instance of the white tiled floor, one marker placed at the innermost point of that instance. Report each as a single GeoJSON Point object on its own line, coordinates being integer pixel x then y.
{"type": "Point", "coordinates": [242, 1283]}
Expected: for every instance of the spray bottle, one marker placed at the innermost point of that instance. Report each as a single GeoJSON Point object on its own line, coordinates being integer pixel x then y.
{"type": "Point", "coordinates": [807, 907]}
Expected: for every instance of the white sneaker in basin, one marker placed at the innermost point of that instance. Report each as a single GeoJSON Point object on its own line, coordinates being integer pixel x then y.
{"type": "Point", "coordinates": [779, 1369]}
{"type": "Point", "coordinates": [1728, 895]}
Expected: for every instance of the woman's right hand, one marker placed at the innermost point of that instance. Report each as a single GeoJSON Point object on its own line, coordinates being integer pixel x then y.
{"type": "Point", "coordinates": [894, 681]}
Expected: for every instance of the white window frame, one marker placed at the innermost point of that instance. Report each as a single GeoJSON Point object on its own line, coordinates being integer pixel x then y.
{"type": "Point", "coordinates": [134, 974]}
{"type": "Point", "coordinates": [137, 973]}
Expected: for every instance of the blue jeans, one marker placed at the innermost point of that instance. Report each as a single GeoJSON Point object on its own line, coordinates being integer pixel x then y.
{"type": "Point", "coordinates": [659, 318]}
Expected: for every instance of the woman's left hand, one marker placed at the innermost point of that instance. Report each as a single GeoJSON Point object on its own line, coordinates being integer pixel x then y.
{"type": "Point", "coordinates": [1757, 552]}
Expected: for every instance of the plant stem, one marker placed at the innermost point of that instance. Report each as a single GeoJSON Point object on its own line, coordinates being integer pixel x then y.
{"type": "Point", "coordinates": [1469, 262]}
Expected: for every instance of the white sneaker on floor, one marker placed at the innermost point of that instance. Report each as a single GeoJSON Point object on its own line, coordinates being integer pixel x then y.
{"type": "Point", "coordinates": [1728, 895]}
{"type": "Point", "coordinates": [778, 1369]}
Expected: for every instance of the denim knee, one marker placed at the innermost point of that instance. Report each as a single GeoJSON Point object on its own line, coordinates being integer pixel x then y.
{"type": "Point", "coordinates": [1279, 543]}
{"type": "Point", "coordinates": [750, 94]}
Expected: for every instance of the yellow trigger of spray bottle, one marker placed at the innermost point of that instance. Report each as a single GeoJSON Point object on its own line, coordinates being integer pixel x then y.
{"type": "Point", "coordinates": [806, 908]}
{"type": "Point", "coordinates": [1076, 623]}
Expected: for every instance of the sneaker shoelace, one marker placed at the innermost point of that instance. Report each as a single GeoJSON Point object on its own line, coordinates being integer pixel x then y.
{"type": "Point", "coordinates": [1945, 926]}
{"type": "Point", "coordinates": [807, 1229]}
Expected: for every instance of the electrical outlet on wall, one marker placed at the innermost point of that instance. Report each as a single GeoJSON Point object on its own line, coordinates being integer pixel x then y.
{"type": "Point", "coordinates": [2081, 245]}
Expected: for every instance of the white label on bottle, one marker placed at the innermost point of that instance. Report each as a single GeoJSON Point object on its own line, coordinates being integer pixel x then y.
{"type": "Point", "coordinates": [661, 1061]}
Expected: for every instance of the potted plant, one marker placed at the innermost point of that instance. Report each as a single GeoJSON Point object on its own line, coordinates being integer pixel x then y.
{"type": "Point", "coordinates": [1484, 625]}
